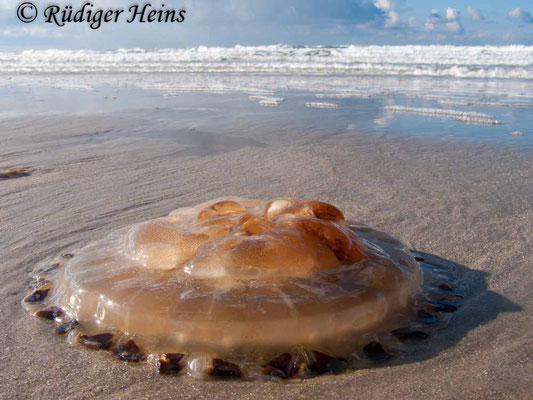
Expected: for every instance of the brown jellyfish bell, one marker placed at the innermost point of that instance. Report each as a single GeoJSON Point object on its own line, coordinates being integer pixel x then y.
{"type": "Point", "coordinates": [237, 288]}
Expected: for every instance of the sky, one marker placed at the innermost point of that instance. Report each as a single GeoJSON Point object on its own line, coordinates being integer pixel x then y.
{"type": "Point", "coordinates": [294, 22]}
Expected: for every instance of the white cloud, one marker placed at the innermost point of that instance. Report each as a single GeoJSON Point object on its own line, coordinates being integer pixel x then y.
{"type": "Point", "coordinates": [475, 13]}
{"type": "Point", "coordinates": [438, 25]}
{"type": "Point", "coordinates": [383, 4]}
{"type": "Point", "coordinates": [8, 4]}
{"type": "Point", "coordinates": [31, 31]}
{"type": "Point", "coordinates": [393, 21]}
{"type": "Point", "coordinates": [521, 15]}
{"type": "Point", "coordinates": [391, 8]}
{"type": "Point", "coordinates": [452, 14]}
{"type": "Point", "coordinates": [387, 5]}
{"type": "Point", "coordinates": [454, 27]}
{"type": "Point", "coordinates": [433, 20]}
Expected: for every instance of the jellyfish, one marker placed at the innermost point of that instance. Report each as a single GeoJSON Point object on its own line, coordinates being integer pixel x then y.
{"type": "Point", "coordinates": [238, 288]}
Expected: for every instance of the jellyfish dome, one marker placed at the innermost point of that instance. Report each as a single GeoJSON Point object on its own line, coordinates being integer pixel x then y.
{"type": "Point", "coordinates": [232, 286]}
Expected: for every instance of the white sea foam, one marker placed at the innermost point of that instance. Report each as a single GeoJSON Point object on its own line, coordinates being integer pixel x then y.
{"type": "Point", "coordinates": [478, 121]}
{"type": "Point", "coordinates": [269, 103]}
{"type": "Point", "coordinates": [440, 111]}
{"type": "Point", "coordinates": [266, 98]}
{"type": "Point", "coordinates": [321, 105]}
{"type": "Point", "coordinates": [463, 103]}
{"type": "Point", "coordinates": [470, 117]}
{"type": "Point", "coordinates": [347, 95]}
{"type": "Point", "coordinates": [505, 62]}
{"type": "Point", "coordinates": [455, 103]}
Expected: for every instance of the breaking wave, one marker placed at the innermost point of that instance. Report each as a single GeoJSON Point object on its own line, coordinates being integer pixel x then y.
{"type": "Point", "coordinates": [500, 62]}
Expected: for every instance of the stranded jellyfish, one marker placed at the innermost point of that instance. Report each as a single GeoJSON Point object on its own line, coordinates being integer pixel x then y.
{"type": "Point", "coordinates": [244, 288]}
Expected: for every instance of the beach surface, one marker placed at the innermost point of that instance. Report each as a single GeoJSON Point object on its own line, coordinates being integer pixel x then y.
{"type": "Point", "coordinates": [467, 202]}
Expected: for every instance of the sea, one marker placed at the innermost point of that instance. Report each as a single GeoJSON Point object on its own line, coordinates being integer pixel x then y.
{"type": "Point", "coordinates": [472, 93]}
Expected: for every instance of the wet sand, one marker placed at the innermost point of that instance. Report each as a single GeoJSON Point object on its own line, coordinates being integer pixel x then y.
{"type": "Point", "coordinates": [468, 203]}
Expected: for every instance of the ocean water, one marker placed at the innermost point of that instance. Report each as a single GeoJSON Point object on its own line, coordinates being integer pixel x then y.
{"type": "Point", "coordinates": [444, 92]}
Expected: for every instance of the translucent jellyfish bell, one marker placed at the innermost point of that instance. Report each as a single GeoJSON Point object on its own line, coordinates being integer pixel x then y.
{"type": "Point", "coordinates": [284, 287]}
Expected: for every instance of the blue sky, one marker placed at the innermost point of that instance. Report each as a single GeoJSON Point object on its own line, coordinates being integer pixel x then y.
{"type": "Point", "coordinates": [296, 22]}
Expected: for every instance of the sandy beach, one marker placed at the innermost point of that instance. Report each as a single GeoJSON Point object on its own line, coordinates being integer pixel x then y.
{"type": "Point", "coordinates": [470, 203]}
